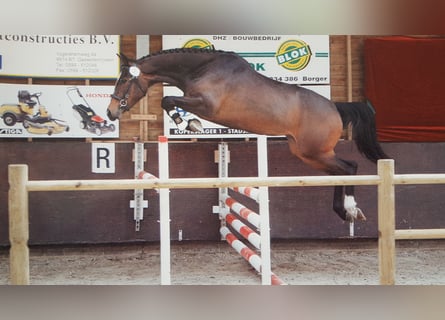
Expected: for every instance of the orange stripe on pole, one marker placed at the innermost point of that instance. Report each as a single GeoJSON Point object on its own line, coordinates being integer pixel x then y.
{"type": "Point", "coordinates": [247, 253]}
{"type": "Point", "coordinates": [230, 201]}
{"type": "Point", "coordinates": [276, 281]}
{"type": "Point", "coordinates": [230, 218]}
{"type": "Point", "coordinates": [245, 231]}
{"type": "Point", "coordinates": [245, 212]}
{"type": "Point", "coordinates": [230, 238]}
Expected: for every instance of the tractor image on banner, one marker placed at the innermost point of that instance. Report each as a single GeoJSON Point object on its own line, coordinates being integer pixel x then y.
{"type": "Point", "coordinates": [34, 121]}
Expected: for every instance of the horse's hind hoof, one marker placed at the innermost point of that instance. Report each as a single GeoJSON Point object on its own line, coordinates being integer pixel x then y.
{"type": "Point", "coordinates": [352, 211]}
{"type": "Point", "coordinates": [356, 215]}
{"type": "Point", "coordinates": [195, 125]}
{"type": "Point", "coordinates": [359, 215]}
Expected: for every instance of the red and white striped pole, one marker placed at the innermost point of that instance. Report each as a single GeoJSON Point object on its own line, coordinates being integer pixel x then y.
{"type": "Point", "coordinates": [144, 175]}
{"type": "Point", "coordinates": [248, 254]}
{"type": "Point", "coordinates": [243, 211]}
{"type": "Point", "coordinates": [252, 193]}
{"type": "Point", "coordinates": [243, 230]}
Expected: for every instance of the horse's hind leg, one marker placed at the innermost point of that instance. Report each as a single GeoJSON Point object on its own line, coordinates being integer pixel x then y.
{"type": "Point", "coordinates": [346, 207]}
{"type": "Point", "coordinates": [344, 203]}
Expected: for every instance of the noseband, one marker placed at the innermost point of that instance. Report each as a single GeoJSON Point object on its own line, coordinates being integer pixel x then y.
{"type": "Point", "coordinates": [123, 104]}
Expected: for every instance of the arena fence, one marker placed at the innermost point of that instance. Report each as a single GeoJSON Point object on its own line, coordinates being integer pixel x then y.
{"type": "Point", "coordinates": [385, 180]}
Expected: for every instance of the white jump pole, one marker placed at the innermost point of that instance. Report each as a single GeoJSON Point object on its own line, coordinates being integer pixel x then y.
{"type": "Point", "coordinates": [266, 272]}
{"type": "Point", "coordinates": [164, 211]}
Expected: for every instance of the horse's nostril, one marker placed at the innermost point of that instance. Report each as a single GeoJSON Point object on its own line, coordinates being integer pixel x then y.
{"type": "Point", "coordinates": [110, 116]}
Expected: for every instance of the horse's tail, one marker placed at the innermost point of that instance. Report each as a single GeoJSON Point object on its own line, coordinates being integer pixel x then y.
{"type": "Point", "coordinates": [362, 118]}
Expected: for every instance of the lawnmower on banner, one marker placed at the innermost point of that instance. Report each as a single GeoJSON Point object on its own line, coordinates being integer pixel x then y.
{"type": "Point", "coordinates": [89, 120]}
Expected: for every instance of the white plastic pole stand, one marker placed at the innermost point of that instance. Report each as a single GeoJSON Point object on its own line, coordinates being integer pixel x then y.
{"type": "Point", "coordinates": [264, 211]}
{"type": "Point", "coordinates": [164, 211]}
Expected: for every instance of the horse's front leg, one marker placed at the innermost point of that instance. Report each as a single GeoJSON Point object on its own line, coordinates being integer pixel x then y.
{"type": "Point", "coordinates": [170, 102]}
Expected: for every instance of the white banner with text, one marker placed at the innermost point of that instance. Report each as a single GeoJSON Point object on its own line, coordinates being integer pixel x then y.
{"type": "Point", "coordinates": [55, 111]}
{"type": "Point", "coordinates": [59, 56]}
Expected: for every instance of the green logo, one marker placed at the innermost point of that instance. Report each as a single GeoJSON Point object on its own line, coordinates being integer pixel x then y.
{"type": "Point", "coordinates": [294, 55]}
{"type": "Point", "coordinates": [198, 43]}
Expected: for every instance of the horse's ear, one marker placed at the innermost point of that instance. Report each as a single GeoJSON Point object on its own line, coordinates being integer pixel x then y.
{"type": "Point", "coordinates": [124, 59]}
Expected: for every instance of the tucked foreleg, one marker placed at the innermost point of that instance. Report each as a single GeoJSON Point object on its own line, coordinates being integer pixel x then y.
{"type": "Point", "coordinates": [170, 103]}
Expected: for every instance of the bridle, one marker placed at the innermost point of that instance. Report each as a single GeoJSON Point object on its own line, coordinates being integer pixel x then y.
{"type": "Point", "coordinates": [123, 101]}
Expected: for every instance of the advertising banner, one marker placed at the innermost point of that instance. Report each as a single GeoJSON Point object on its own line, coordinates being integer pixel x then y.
{"type": "Point", "coordinates": [43, 111]}
{"type": "Point", "coordinates": [299, 59]}
{"type": "Point", "coordinates": [293, 59]}
{"type": "Point", "coordinates": [59, 56]}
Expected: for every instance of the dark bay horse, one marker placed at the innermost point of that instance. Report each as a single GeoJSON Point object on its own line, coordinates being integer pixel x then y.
{"type": "Point", "coordinates": [221, 87]}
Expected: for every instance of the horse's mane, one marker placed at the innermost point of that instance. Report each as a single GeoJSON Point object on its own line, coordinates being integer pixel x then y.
{"type": "Point", "coordinates": [184, 50]}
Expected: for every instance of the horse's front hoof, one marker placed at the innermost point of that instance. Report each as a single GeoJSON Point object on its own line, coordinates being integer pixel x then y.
{"type": "Point", "coordinates": [195, 125]}
{"type": "Point", "coordinates": [182, 125]}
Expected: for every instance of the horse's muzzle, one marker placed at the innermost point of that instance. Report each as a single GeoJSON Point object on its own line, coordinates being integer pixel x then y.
{"type": "Point", "coordinates": [111, 116]}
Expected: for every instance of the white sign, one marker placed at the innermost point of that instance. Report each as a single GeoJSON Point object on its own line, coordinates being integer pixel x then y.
{"type": "Point", "coordinates": [300, 59]}
{"type": "Point", "coordinates": [294, 59]}
{"type": "Point", "coordinates": [42, 111]}
{"type": "Point", "coordinates": [103, 158]}
{"type": "Point", "coordinates": [59, 56]}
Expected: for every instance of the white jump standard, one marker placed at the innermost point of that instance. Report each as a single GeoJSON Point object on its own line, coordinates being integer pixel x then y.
{"type": "Point", "coordinates": [260, 221]}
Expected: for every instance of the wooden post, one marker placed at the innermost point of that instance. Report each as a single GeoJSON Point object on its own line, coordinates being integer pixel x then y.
{"type": "Point", "coordinates": [386, 223]}
{"type": "Point", "coordinates": [18, 224]}
{"type": "Point", "coordinates": [349, 67]}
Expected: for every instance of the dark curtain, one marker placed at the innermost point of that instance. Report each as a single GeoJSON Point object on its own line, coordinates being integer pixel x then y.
{"type": "Point", "coordinates": [405, 83]}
